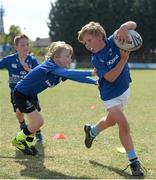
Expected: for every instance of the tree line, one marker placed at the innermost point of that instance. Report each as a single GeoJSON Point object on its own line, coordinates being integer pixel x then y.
{"type": "Point", "coordinates": [66, 17]}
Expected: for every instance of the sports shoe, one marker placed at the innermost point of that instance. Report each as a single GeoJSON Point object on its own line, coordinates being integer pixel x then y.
{"type": "Point", "coordinates": [34, 150]}
{"type": "Point", "coordinates": [22, 146]}
{"type": "Point", "coordinates": [88, 138]}
{"type": "Point", "coordinates": [39, 137]}
{"type": "Point", "coordinates": [136, 169]}
{"type": "Point", "coordinates": [22, 126]}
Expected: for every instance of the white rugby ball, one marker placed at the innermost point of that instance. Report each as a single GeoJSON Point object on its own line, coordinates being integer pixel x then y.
{"type": "Point", "coordinates": [133, 43]}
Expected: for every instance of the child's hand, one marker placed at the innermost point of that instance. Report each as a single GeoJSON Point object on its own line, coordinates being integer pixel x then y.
{"type": "Point", "coordinates": [121, 34]}
{"type": "Point", "coordinates": [94, 72]}
{"type": "Point", "coordinates": [26, 67]}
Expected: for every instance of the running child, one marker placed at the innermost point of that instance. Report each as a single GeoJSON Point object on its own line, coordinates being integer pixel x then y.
{"type": "Point", "coordinates": [46, 75]}
{"type": "Point", "coordinates": [114, 84]}
{"type": "Point", "coordinates": [18, 65]}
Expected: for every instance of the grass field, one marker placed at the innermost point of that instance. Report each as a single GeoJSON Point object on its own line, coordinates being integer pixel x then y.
{"type": "Point", "coordinates": [66, 108]}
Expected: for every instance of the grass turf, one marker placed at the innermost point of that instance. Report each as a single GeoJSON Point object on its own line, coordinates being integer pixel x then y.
{"type": "Point", "coordinates": [66, 108]}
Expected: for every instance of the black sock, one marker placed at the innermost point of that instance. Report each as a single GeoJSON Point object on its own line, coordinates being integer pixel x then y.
{"type": "Point", "coordinates": [26, 131]}
{"type": "Point", "coordinates": [23, 122]}
{"type": "Point", "coordinates": [39, 131]}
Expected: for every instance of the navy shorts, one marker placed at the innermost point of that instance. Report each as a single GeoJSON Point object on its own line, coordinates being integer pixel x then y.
{"type": "Point", "coordinates": [24, 103]}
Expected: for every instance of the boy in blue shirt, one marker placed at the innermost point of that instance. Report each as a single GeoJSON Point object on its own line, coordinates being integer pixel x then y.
{"type": "Point", "coordinates": [18, 65]}
{"type": "Point", "coordinates": [114, 78]}
{"type": "Point", "coordinates": [46, 75]}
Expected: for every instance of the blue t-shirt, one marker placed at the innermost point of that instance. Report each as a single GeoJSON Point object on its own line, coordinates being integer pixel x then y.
{"type": "Point", "coordinates": [104, 61]}
{"type": "Point", "coordinates": [49, 74]}
{"type": "Point", "coordinates": [15, 69]}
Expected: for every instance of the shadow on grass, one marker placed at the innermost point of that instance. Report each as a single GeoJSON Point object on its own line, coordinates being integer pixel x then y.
{"type": "Point", "coordinates": [34, 167]}
{"type": "Point", "coordinates": [116, 170]}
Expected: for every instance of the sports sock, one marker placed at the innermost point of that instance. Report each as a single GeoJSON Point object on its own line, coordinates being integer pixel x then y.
{"type": "Point", "coordinates": [23, 122]}
{"type": "Point", "coordinates": [132, 156]}
{"type": "Point", "coordinates": [39, 131]}
{"type": "Point", "coordinates": [94, 131]}
{"type": "Point", "coordinates": [23, 134]}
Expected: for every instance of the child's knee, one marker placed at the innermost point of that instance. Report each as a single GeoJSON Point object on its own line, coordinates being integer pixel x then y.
{"type": "Point", "coordinates": [112, 123]}
{"type": "Point", "coordinates": [41, 122]}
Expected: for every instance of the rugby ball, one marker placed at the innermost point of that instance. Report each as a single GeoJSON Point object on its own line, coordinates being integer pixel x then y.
{"type": "Point", "coordinates": [134, 41]}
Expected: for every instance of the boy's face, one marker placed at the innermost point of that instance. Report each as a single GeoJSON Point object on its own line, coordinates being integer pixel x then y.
{"type": "Point", "coordinates": [65, 58]}
{"type": "Point", "coordinates": [23, 47]}
{"type": "Point", "coordinates": [93, 43]}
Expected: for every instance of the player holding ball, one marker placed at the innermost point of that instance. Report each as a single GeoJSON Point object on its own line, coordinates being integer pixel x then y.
{"type": "Point", "coordinates": [114, 81]}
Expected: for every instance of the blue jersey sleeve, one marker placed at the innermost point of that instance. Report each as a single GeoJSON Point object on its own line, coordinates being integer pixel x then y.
{"type": "Point", "coordinates": [4, 63]}
{"type": "Point", "coordinates": [75, 75]}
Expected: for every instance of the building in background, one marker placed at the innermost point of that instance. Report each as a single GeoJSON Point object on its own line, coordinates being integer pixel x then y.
{"type": "Point", "coordinates": [42, 42]}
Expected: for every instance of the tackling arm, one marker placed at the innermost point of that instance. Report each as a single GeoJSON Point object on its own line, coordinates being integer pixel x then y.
{"type": "Point", "coordinates": [75, 75]}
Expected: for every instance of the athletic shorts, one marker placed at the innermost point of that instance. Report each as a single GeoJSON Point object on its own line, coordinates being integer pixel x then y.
{"type": "Point", "coordinates": [13, 102]}
{"type": "Point", "coordinates": [25, 103]}
{"type": "Point", "coordinates": [120, 100]}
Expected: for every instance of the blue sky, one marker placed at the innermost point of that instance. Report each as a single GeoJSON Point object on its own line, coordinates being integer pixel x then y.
{"type": "Point", "coordinates": [30, 15]}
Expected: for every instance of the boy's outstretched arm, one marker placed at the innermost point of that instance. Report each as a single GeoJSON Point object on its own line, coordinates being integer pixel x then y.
{"type": "Point", "coordinates": [76, 75]}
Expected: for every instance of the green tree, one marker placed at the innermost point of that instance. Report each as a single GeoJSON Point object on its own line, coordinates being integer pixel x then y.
{"type": "Point", "coordinates": [13, 31]}
{"type": "Point", "coordinates": [145, 16]}
{"type": "Point", "coordinates": [66, 18]}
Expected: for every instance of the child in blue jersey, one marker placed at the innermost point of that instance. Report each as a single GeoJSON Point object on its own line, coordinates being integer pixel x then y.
{"type": "Point", "coordinates": [114, 78]}
{"type": "Point", "coordinates": [18, 65]}
{"type": "Point", "coordinates": [46, 75]}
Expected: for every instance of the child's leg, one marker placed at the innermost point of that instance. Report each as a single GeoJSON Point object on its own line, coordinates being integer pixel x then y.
{"type": "Point", "coordinates": [126, 140]}
{"type": "Point", "coordinates": [105, 122]}
{"type": "Point", "coordinates": [20, 117]}
{"type": "Point", "coordinates": [23, 140]}
{"type": "Point", "coordinates": [124, 131]}
{"type": "Point", "coordinates": [35, 124]}
{"type": "Point", "coordinates": [36, 121]}
{"type": "Point", "coordinates": [91, 131]}
{"type": "Point", "coordinates": [39, 136]}
{"type": "Point", "coordinates": [114, 116]}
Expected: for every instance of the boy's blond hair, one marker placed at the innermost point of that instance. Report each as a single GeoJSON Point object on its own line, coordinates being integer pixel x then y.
{"type": "Point", "coordinates": [57, 47]}
{"type": "Point", "coordinates": [19, 37]}
{"type": "Point", "coordinates": [92, 28]}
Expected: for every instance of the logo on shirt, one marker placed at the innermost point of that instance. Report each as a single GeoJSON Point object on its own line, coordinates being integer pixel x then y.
{"type": "Point", "coordinates": [49, 84]}
{"type": "Point", "coordinates": [102, 60]}
{"type": "Point", "coordinates": [14, 66]}
{"type": "Point", "coordinates": [23, 72]}
{"type": "Point", "coordinates": [111, 61]}
{"type": "Point", "coordinates": [110, 51]}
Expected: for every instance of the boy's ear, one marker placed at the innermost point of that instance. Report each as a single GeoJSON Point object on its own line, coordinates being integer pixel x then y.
{"type": "Point", "coordinates": [56, 56]}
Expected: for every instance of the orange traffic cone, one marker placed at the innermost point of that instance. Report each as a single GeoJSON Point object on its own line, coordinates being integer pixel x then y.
{"type": "Point", "coordinates": [93, 106]}
{"type": "Point", "coordinates": [59, 136]}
